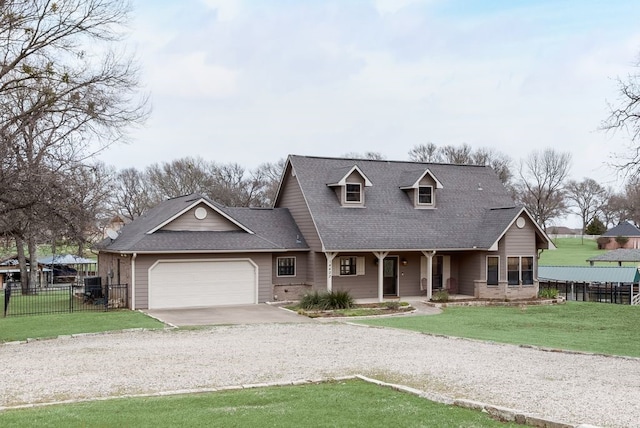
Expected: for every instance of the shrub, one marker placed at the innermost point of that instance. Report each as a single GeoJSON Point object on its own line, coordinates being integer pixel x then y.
{"type": "Point", "coordinates": [324, 301]}
{"type": "Point", "coordinates": [548, 293]}
{"type": "Point", "coordinates": [622, 240]}
{"type": "Point", "coordinates": [310, 300]}
{"type": "Point", "coordinates": [602, 242]}
{"type": "Point", "coordinates": [596, 227]}
{"type": "Point", "coordinates": [337, 300]}
{"type": "Point", "coordinates": [440, 296]}
{"type": "Point", "coordinates": [392, 305]}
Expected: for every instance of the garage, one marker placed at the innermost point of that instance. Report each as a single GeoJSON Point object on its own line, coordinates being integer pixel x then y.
{"type": "Point", "coordinates": [199, 283]}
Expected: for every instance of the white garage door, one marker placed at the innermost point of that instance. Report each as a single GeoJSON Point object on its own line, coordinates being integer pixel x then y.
{"type": "Point", "coordinates": [188, 284]}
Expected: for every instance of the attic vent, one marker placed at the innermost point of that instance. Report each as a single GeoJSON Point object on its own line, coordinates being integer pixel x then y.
{"type": "Point", "coordinates": [200, 213]}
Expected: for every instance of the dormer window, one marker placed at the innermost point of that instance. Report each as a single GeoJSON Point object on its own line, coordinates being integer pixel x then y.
{"type": "Point", "coordinates": [421, 188]}
{"type": "Point", "coordinates": [353, 193]}
{"type": "Point", "coordinates": [425, 195]}
{"type": "Point", "coordinates": [349, 184]}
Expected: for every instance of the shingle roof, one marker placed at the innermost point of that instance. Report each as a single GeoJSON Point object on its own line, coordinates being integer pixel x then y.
{"type": "Point", "coordinates": [589, 273]}
{"type": "Point", "coordinates": [624, 228]}
{"type": "Point", "coordinates": [620, 255]}
{"type": "Point", "coordinates": [273, 229]}
{"type": "Point", "coordinates": [472, 210]}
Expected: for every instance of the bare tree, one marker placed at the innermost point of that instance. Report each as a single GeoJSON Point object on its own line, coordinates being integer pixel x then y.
{"type": "Point", "coordinates": [541, 185]}
{"type": "Point", "coordinates": [365, 155]}
{"type": "Point", "coordinates": [425, 153]}
{"type": "Point", "coordinates": [67, 90]}
{"type": "Point", "coordinates": [180, 177]}
{"type": "Point", "coordinates": [464, 154]}
{"type": "Point", "coordinates": [131, 195]}
{"type": "Point", "coordinates": [587, 196]}
{"type": "Point", "coordinates": [613, 208]}
{"type": "Point", "coordinates": [625, 115]}
{"type": "Point", "coordinates": [270, 174]}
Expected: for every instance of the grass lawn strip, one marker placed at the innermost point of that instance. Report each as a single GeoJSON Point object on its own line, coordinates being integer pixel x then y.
{"type": "Point", "coordinates": [345, 402]}
{"type": "Point", "coordinates": [21, 328]}
{"type": "Point", "coordinates": [570, 252]}
{"type": "Point", "coordinates": [577, 326]}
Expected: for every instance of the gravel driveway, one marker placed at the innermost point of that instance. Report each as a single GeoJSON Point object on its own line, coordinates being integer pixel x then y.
{"type": "Point", "coordinates": [573, 388]}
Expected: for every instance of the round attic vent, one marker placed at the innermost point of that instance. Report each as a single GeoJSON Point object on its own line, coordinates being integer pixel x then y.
{"type": "Point", "coordinates": [520, 222]}
{"type": "Point", "coordinates": [200, 213]}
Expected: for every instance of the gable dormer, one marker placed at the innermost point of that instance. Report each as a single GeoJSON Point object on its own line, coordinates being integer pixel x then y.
{"type": "Point", "coordinates": [349, 185]}
{"type": "Point", "coordinates": [421, 187]}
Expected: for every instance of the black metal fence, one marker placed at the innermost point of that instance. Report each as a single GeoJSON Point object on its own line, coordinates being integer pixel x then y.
{"type": "Point", "coordinates": [605, 292]}
{"type": "Point", "coordinates": [62, 299]}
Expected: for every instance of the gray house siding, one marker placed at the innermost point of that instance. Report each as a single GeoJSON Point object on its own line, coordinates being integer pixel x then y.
{"type": "Point", "coordinates": [470, 266]}
{"type": "Point", "coordinates": [292, 198]}
{"type": "Point", "coordinates": [144, 261]}
{"type": "Point", "coordinates": [301, 269]}
{"type": "Point", "coordinates": [213, 222]}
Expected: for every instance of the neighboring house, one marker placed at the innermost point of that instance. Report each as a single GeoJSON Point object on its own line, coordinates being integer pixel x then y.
{"type": "Point", "coordinates": [626, 230]}
{"type": "Point", "coordinates": [375, 228]}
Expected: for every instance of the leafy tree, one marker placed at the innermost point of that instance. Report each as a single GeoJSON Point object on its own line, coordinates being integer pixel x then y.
{"type": "Point", "coordinates": [596, 227]}
{"type": "Point", "coordinates": [541, 186]}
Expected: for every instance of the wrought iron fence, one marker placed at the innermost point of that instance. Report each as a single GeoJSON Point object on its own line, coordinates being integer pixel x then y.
{"type": "Point", "coordinates": [62, 299]}
{"type": "Point", "coordinates": [605, 292]}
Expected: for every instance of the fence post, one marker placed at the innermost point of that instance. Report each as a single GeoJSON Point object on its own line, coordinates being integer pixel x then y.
{"type": "Point", "coordinates": [106, 297]}
{"type": "Point", "coordinates": [70, 298]}
{"type": "Point", "coordinates": [7, 297]}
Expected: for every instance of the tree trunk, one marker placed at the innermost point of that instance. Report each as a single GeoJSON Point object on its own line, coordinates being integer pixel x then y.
{"type": "Point", "coordinates": [22, 262]}
{"type": "Point", "coordinates": [33, 264]}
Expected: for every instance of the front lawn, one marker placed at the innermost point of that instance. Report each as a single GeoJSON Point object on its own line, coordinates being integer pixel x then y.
{"type": "Point", "coordinates": [44, 326]}
{"type": "Point", "coordinates": [570, 252]}
{"type": "Point", "coordinates": [353, 403]}
{"type": "Point", "coordinates": [590, 327]}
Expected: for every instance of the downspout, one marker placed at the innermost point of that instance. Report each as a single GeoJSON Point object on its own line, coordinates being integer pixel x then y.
{"type": "Point", "coordinates": [133, 281]}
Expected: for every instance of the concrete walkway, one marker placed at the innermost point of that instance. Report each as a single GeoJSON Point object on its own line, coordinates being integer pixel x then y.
{"type": "Point", "coordinates": [227, 315]}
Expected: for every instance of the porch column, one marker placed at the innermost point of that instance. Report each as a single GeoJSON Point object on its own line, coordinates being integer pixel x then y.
{"type": "Point", "coordinates": [381, 255]}
{"type": "Point", "coordinates": [330, 256]}
{"type": "Point", "coordinates": [429, 255]}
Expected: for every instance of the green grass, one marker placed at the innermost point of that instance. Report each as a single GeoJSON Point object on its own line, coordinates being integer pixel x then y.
{"type": "Point", "coordinates": [44, 301]}
{"type": "Point", "coordinates": [570, 252]}
{"type": "Point", "coordinates": [590, 327]}
{"type": "Point", "coordinates": [45, 326]}
{"type": "Point", "coordinates": [351, 403]}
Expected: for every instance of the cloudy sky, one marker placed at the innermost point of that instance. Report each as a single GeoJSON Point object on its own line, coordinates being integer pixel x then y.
{"type": "Point", "coordinates": [253, 81]}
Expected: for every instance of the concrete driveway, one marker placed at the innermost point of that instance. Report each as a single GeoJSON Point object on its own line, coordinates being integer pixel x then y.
{"type": "Point", "coordinates": [242, 314]}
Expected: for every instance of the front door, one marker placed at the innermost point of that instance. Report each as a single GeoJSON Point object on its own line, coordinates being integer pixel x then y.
{"type": "Point", "coordinates": [390, 276]}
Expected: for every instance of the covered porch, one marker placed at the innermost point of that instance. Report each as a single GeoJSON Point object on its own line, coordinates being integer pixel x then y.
{"type": "Point", "coordinates": [377, 276]}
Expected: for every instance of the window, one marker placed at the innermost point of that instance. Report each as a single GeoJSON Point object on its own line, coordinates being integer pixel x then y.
{"type": "Point", "coordinates": [493, 262]}
{"type": "Point", "coordinates": [520, 270]}
{"type": "Point", "coordinates": [348, 266]}
{"type": "Point", "coordinates": [527, 270]}
{"type": "Point", "coordinates": [353, 193]}
{"type": "Point", "coordinates": [286, 266]}
{"type": "Point", "coordinates": [425, 195]}
{"type": "Point", "coordinates": [513, 270]}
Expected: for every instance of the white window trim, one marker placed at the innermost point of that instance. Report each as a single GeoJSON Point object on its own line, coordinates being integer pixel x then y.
{"type": "Point", "coordinates": [295, 267]}
{"type": "Point", "coordinates": [487, 271]}
{"type": "Point", "coordinates": [424, 204]}
{"type": "Point", "coordinates": [360, 199]}
{"type": "Point", "coordinates": [533, 268]}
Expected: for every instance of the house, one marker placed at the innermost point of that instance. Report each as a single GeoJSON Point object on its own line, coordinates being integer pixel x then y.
{"type": "Point", "coordinates": [624, 235]}
{"type": "Point", "coordinates": [375, 228]}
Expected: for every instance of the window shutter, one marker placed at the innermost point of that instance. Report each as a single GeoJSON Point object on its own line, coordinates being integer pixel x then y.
{"type": "Point", "coordinates": [360, 262]}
